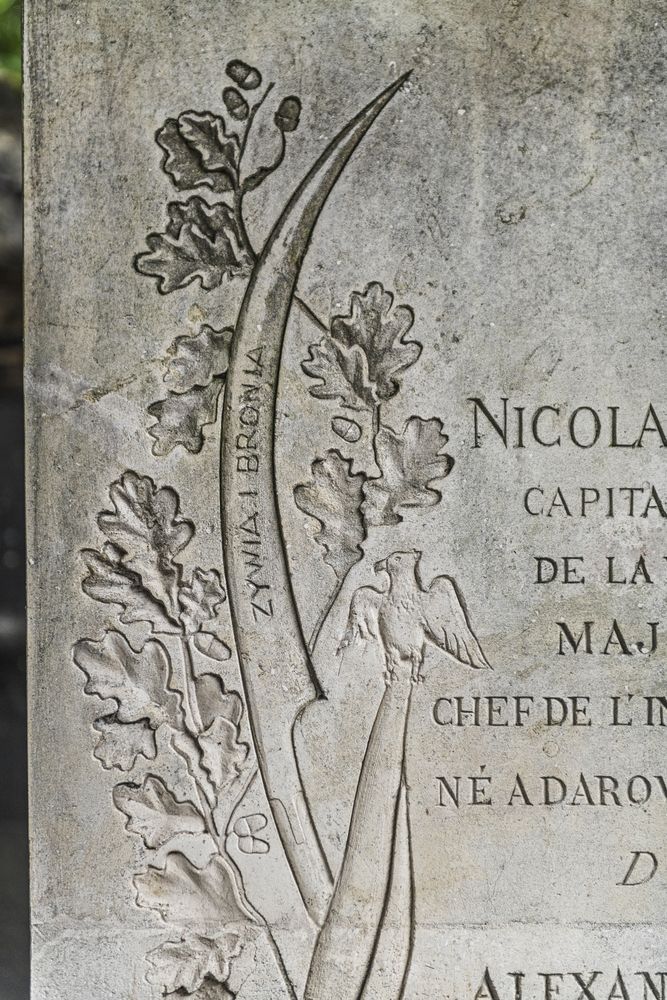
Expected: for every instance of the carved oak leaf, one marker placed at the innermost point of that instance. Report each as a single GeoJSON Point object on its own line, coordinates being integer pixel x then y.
{"type": "Point", "coordinates": [200, 599]}
{"type": "Point", "coordinates": [380, 332]}
{"type": "Point", "coordinates": [183, 966]}
{"type": "Point", "coordinates": [333, 497]}
{"type": "Point", "coordinates": [188, 752]}
{"type": "Point", "coordinates": [362, 359]}
{"type": "Point", "coordinates": [181, 418]}
{"type": "Point", "coordinates": [196, 360]}
{"type": "Point", "coordinates": [111, 582]}
{"type": "Point", "coordinates": [201, 241]}
{"type": "Point", "coordinates": [224, 757]}
{"type": "Point", "coordinates": [410, 463]}
{"type": "Point", "coordinates": [216, 702]}
{"type": "Point", "coordinates": [184, 894]}
{"type": "Point", "coordinates": [198, 848]}
{"type": "Point", "coordinates": [199, 152]}
{"type": "Point", "coordinates": [342, 374]}
{"type": "Point", "coordinates": [154, 812]}
{"type": "Point", "coordinates": [176, 764]}
{"type": "Point", "coordinates": [138, 681]}
{"type": "Point", "coordinates": [146, 527]}
{"type": "Point", "coordinates": [121, 744]}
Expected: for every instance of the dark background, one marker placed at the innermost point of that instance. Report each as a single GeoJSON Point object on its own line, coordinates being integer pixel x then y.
{"type": "Point", "coordinates": [14, 947]}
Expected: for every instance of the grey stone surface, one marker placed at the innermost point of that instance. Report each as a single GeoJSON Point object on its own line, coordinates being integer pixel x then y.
{"type": "Point", "coordinates": [329, 370]}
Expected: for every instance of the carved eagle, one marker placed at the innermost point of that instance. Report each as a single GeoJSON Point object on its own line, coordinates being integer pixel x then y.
{"type": "Point", "coordinates": [404, 616]}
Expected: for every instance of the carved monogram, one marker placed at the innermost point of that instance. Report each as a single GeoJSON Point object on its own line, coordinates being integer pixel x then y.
{"type": "Point", "coordinates": [170, 724]}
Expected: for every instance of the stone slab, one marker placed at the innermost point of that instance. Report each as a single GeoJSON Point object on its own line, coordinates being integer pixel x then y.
{"type": "Point", "coordinates": [347, 499]}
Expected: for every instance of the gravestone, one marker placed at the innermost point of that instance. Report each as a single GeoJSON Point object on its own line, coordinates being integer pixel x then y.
{"type": "Point", "coordinates": [346, 431]}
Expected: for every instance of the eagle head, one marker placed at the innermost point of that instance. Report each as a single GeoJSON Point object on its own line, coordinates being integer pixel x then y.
{"type": "Point", "coordinates": [399, 564]}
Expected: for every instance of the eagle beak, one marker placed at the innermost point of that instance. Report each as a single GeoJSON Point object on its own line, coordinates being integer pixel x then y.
{"type": "Point", "coordinates": [380, 566]}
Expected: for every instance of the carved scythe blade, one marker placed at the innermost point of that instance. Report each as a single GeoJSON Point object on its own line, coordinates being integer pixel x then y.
{"type": "Point", "coordinates": [278, 677]}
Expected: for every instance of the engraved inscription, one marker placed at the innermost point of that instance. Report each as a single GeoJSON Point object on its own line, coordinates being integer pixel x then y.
{"type": "Point", "coordinates": [358, 374]}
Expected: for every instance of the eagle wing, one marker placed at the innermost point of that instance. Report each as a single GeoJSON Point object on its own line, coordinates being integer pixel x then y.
{"type": "Point", "coordinates": [446, 624]}
{"type": "Point", "coordinates": [362, 623]}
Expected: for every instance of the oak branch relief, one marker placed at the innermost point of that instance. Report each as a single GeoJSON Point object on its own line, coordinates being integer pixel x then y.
{"type": "Point", "coordinates": [186, 746]}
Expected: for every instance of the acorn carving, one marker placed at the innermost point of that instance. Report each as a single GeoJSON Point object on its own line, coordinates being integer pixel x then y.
{"type": "Point", "coordinates": [236, 104]}
{"type": "Point", "coordinates": [244, 76]}
{"type": "Point", "coordinates": [288, 114]}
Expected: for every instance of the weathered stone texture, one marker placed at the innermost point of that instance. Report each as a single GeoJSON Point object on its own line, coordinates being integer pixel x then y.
{"type": "Point", "coordinates": [329, 369]}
